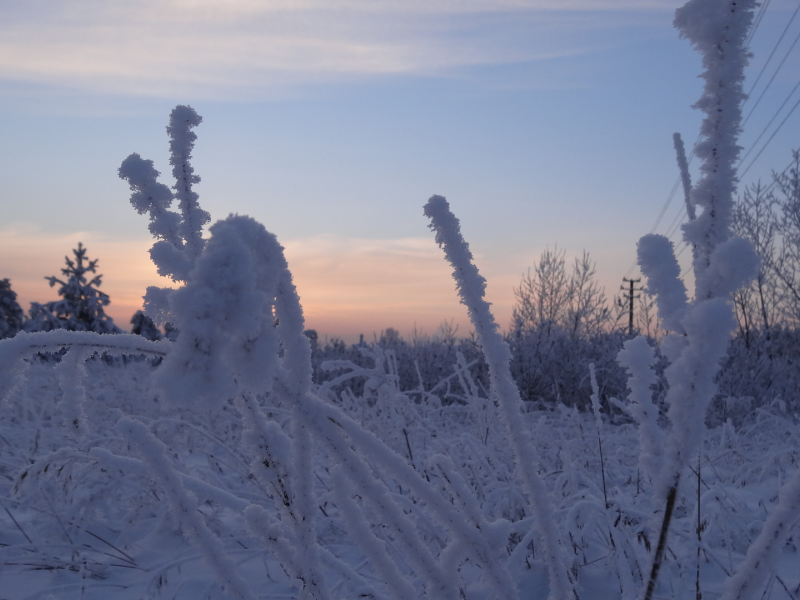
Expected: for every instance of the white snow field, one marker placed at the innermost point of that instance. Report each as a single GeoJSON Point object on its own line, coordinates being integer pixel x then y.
{"type": "Point", "coordinates": [211, 467]}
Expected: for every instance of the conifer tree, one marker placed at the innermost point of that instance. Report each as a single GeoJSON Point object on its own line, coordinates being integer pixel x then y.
{"type": "Point", "coordinates": [11, 315]}
{"type": "Point", "coordinates": [81, 304]}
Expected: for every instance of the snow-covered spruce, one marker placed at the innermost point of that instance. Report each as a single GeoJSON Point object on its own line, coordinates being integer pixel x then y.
{"type": "Point", "coordinates": [471, 288]}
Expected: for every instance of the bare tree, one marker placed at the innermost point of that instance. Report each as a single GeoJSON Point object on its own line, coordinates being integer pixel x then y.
{"type": "Point", "coordinates": [548, 296]}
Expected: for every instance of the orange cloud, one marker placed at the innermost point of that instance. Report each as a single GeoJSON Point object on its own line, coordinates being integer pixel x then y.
{"type": "Point", "coordinates": [347, 286]}
{"type": "Point", "coordinates": [29, 255]}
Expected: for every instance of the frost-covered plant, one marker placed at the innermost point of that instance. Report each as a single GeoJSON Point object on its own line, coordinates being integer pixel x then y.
{"type": "Point", "coordinates": [722, 263]}
{"type": "Point", "coordinates": [143, 325]}
{"type": "Point", "coordinates": [471, 287]}
{"type": "Point", "coordinates": [179, 235]}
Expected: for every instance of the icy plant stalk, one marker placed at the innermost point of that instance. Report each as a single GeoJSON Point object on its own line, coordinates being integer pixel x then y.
{"type": "Point", "coordinates": [598, 422]}
{"type": "Point", "coordinates": [71, 375]}
{"type": "Point", "coordinates": [179, 236]}
{"type": "Point", "coordinates": [686, 179]}
{"type": "Point", "coordinates": [764, 552]}
{"type": "Point", "coordinates": [638, 358]}
{"type": "Point", "coordinates": [184, 507]}
{"type": "Point", "coordinates": [181, 143]}
{"type": "Point", "coordinates": [471, 287]}
{"type": "Point", "coordinates": [717, 29]}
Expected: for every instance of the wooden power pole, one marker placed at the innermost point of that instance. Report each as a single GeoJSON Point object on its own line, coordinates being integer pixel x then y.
{"type": "Point", "coordinates": [630, 298]}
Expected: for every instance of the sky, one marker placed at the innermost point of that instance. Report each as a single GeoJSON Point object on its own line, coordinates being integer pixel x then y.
{"type": "Point", "coordinates": [546, 123]}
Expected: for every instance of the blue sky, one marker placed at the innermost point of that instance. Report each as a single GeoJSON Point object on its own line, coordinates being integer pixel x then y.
{"type": "Point", "coordinates": [543, 122]}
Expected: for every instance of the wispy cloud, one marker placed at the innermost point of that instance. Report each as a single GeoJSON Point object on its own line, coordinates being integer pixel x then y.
{"type": "Point", "coordinates": [226, 47]}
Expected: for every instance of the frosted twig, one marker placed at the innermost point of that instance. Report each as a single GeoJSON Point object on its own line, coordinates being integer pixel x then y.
{"type": "Point", "coordinates": [184, 508]}
{"type": "Point", "coordinates": [471, 287]}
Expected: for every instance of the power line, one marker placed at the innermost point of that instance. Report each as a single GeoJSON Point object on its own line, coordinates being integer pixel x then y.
{"type": "Point", "coordinates": [780, 66]}
{"type": "Point", "coordinates": [667, 202]}
{"type": "Point", "coordinates": [765, 191]}
{"type": "Point", "coordinates": [767, 126]}
{"type": "Point", "coordinates": [757, 22]}
{"type": "Point", "coordinates": [774, 133]}
{"type": "Point", "coordinates": [676, 222]}
{"type": "Point", "coordinates": [666, 205]}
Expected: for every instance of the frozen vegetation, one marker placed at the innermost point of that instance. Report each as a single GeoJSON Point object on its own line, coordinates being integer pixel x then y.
{"type": "Point", "coordinates": [233, 458]}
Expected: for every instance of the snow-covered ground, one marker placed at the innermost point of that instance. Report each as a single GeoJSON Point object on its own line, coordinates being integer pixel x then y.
{"type": "Point", "coordinates": [84, 516]}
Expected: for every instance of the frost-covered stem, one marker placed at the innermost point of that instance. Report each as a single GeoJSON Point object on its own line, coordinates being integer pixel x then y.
{"type": "Point", "coordinates": [415, 552]}
{"type": "Point", "coordinates": [184, 508]}
{"type": "Point", "coordinates": [71, 374]}
{"type": "Point", "coordinates": [598, 423]}
{"type": "Point", "coordinates": [270, 454]}
{"type": "Point", "coordinates": [295, 384]}
{"type": "Point", "coordinates": [686, 179]}
{"type": "Point", "coordinates": [274, 538]}
{"type": "Point", "coordinates": [656, 257]}
{"type": "Point", "coordinates": [763, 554]}
{"type": "Point", "coordinates": [638, 358]}
{"type": "Point", "coordinates": [151, 197]}
{"type": "Point", "coordinates": [24, 344]}
{"type": "Point", "coordinates": [132, 466]}
{"type": "Point", "coordinates": [471, 287]}
{"type": "Point", "coordinates": [181, 142]}
{"type": "Point", "coordinates": [309, 413]}
{"type": "Point", "coordinates": [658, 557]}
{"type": "Point", "coordinates": [373, 547]}
{"type": "Point", "coordinates": [698, 594]}
{"type": "Point", "coordinates": [496, 571]}
{"type": "Point", "coordinates": [717, 29]}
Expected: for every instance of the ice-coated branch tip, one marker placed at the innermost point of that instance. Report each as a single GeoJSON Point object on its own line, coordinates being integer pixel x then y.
{"type": "Point", "coordinates": [472, 287]}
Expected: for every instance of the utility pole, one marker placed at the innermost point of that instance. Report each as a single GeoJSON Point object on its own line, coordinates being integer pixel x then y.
{"type": "Point", "coordinates": [630, 298]}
